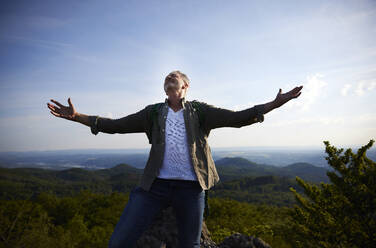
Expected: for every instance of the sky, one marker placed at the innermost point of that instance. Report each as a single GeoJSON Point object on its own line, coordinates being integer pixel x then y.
{"type": "Point", "coordinates": [111, 58]}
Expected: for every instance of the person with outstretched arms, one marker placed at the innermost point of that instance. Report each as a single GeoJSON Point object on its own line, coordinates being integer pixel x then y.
{"type": "Point", "coordinates": [180, 169]}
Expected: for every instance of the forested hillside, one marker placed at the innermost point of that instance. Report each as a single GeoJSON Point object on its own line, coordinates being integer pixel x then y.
{"type": "Point", "coordinates": [87, 220]}
{"type": "Point", "coordinates": [240, 180]}
{"type": "Point", "coordinates": [235, 167]}
{"type": "Point", "coordinates": [23, 183]}
{"type": "Point", "coordinates": [271, 190]}
{"type": "Point", "coordinates": [79, 208]}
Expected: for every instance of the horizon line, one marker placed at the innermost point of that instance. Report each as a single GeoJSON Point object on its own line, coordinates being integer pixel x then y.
{"type": "Point", "coordinates": [303, 147]}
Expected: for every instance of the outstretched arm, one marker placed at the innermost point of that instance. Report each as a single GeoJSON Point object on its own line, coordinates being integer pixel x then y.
{"type": "Point", "coordinates": [68, 112]}
{"type": "Point", "coordinates": [282, 98]}
{"type": "Point", "coordinates": [134, 123]}
{"type": "Point", "coordinates": [217, 117]}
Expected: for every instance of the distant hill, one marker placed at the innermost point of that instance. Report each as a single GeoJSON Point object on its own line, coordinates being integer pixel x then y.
{"type": "Point", "coordinates": [306, 171]}
{"type": "Point", "coordinates": [92, 160]}
{"type": "Point", "coordinates": [235, 161]}
{"type": "Point", "coordinates": [119, 169]}
{"type": "Point", "coordinates": [272, 190]}
{"type": "Point", "coordinates": [28, 182]}
{"type": "Point", "coordinates": [235, 167]}
{"type": "Point", "coordinates": [105, 158]}
{"type": "Point", "coordinates": [240, 179]}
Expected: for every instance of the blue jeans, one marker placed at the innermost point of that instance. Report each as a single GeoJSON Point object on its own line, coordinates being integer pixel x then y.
{"type": "Point", "coordinates": [186, 197]}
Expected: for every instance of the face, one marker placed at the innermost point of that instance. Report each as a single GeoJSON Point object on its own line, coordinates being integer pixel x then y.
{"type": "Point", "coordinates": [175, 86]}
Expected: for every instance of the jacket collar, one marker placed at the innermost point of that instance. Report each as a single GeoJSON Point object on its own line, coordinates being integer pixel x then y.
{"type": "Point", "coordinates": [183, 102]}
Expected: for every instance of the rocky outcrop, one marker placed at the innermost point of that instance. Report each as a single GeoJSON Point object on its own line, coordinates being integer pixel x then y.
{"type": "Point", "coordinates": [163, 233]}
{"type": "Point", "coordinates": [242, 241]}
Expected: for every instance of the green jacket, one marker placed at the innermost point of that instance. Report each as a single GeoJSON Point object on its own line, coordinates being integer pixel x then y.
{"type": "Point", "coordinates": [198, 126]}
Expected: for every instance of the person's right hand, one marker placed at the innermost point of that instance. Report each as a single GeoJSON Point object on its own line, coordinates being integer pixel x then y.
{"type": "Point", "coordinates": [59, 110]}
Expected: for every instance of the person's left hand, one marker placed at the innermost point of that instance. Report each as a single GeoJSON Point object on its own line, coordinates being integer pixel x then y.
{"type": "Point", "coordinates": [282, 98]}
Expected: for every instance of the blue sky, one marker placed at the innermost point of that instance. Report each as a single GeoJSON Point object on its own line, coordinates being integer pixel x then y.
{"type": "Point", "coordinates": [111, 58]}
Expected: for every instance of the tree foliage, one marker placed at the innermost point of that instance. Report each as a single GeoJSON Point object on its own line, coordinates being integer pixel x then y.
{"type": "Point", "coordinates": [88, 219]}
{"type": "Point", "coordinates": [271, 190]}
{"type": "Point", "coordinates": [343, 212]}
{"type": "Point", "coordinates": [267, 222]}
{"type": "Point", "coordinates": [85, 220]}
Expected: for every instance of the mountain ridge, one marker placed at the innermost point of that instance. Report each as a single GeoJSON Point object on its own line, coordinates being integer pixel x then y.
{"type": "Point", "coordinates": [231, 167]}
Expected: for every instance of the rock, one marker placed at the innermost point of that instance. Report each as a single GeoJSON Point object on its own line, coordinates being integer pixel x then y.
{"type": "Point", "coordinates": [243, 241]}
{"type": "Point", "coordinates": [163, 233]}
{"type": "Point", "coordinates": [206, 241]}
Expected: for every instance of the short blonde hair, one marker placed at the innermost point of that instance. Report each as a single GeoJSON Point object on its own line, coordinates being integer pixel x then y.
{"type": "Point", "coordinates": [182, 76]}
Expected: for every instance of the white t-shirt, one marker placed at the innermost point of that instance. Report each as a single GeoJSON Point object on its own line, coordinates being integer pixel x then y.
{"type": "Point", "coordinates": [177, 161]}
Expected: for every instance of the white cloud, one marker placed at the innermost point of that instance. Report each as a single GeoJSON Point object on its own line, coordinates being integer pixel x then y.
{"type": "Point", "coordinates": [312, 89]}
{"type": "Point", "coordinates": [360, 89]}
{"type": "Point", "coordinates": [332, 121]}
{"type": "Point", "coordinates": [364, 86]}
{"type": "Point", "coordinates": [326, 121]}
{"type": "Point", "coordinates": [345, 89]}
{"type": "Point", "coordinates": [366, 118]}
{"type": "Point", "coordinates": [359, 120]}
{"type": "Point", "coordinates": [38, 42]}
{"type": "Point", "coordinates": [371, 85]}
{"type": "Point", "coordinates": [109, 115]}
